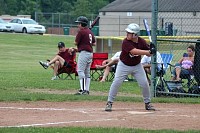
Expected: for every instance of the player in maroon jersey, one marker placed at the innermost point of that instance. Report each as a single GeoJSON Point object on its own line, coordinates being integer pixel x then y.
{"type": "Point", "coordinates": [84, 41]}
{"type": "Point", "coordinates": [133, 47]}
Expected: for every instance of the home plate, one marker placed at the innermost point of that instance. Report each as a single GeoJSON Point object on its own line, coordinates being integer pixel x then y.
{"type": "Point", "coordinates": [138, 113]}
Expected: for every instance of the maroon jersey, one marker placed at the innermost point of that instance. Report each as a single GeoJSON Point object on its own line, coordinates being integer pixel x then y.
{"type": "Point", "coordinates": [85, 39]}
{"type": "Point", "coordinates": [66, 56]}
{"type": "Point", "coordinates": [127, 46]}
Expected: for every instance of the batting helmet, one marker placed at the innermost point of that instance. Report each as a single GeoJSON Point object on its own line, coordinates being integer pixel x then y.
{"type": "Point", "coordinates": [133, 28]}
{"type": "Point", "coordinates": [82, 20]}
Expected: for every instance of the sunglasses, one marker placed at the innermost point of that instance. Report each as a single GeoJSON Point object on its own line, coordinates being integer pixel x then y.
{"type": "Point", "coordinates": [189, 51]}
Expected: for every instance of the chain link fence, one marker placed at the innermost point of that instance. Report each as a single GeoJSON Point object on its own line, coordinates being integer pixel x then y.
{"type": "Point", "coordinates": [178, 17]}
{"type": "Point", "coordinates": [60, 23]}
{"type": "Point", "coordinates": [181, 25]}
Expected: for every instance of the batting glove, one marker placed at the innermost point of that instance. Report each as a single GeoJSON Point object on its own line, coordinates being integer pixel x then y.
{"type": "Point", "coordinates": [152, 49]}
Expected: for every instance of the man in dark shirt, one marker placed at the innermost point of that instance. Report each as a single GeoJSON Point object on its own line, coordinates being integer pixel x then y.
{"type": "Point", "coordinates": [63, 58]}
{"type": "Point", "coordinates": [132, 48]}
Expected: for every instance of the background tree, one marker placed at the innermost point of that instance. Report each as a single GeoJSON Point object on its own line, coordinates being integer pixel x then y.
{"type": "Point", "coordinates": [88, 7]}
{"type": "Point", "coordinates": [9, 7]}
{"type": "Point", "coordinates": [71, 9]}
{"type": "Point", "coordinates": [29, 7]}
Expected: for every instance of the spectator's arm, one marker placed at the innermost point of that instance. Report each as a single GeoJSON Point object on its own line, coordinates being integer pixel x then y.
{"type": "Point", "coordinates": [180, 61]}
{"type": "Point", "coordinates": [113, 62]}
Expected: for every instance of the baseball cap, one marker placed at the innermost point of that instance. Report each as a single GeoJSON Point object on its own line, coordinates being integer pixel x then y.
{"type": "Point", "coordinates": [61, 44]}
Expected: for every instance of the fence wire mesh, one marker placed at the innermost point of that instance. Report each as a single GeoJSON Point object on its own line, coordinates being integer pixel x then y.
{"type": "Point", "coordinates": [178, 17]}
{"type": "Point", "coordinates": [168, 83]}
{"type": "Point", "coordinates": [181, 26]}
{"type": "Point", "coordinates": [60, 23]}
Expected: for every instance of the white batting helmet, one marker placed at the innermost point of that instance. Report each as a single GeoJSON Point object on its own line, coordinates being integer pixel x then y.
{"type": "Point", "coordinates": [133, 28]}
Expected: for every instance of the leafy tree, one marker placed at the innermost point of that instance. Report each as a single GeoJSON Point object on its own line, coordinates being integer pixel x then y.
{"type": "Point", "coordinates": [27, 7]}
{"type": "Point", "coordinates": [88, 7]}
{"type": "Point", "coordinates": [9, 7]}
{"type": "Point", "coordinates": [73, 8]}
{"type": "Point", "coordinates": [54, 6]}
{"type": "Point", "coordinates": [82, 7]}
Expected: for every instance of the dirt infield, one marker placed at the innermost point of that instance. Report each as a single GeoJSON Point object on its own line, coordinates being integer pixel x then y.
{"type": "Point", "coordinates": [92, 114]}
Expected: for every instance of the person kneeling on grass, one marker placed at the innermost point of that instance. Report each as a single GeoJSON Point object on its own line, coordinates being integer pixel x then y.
{"type": "Point", "coordinates": [62, 58]}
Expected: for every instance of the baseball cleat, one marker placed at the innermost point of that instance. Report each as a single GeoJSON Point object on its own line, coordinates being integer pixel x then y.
{"type": "Point", "coordinates": [108, 107]}
{"type": "Point", "coordinates": [81, 92]}
{"type": "Point", "coordinates": [149, 107]}
{"type": "Point", "coordinates": [85, 92]}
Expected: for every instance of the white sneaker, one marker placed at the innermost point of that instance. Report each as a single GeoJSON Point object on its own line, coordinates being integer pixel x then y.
{"type": "Point", "coordinates": [54, 78]}
{"type": "Point", "coordinates": [44, 64]}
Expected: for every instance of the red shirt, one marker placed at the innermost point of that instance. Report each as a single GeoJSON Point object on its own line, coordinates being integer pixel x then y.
{"type": "Point", "coordinates": [66, 56]}
{"type": "Point", "coordinates": [127, 46]}
{"type": "Point", "coordinates": [85, 38]}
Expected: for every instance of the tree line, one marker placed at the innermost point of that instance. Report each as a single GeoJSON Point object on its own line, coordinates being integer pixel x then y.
{"type": "Point", "coordinates": [73, 7]}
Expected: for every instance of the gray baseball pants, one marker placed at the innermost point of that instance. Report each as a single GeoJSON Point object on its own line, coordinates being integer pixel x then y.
{"type": "Point", "coordinates": [137, 72]}
{"type": "Point", "coordinates": [84, 63]}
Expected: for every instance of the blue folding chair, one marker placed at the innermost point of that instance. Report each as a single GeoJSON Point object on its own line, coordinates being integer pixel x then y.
{"type": "Point", "coordinates": [166, 59]}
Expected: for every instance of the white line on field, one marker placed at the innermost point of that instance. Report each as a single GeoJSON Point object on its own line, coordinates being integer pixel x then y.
{"type": "Point", "coordinates": [189, 116]}
{"type": "Point", "coordinates": [57, 123]}
{"type": "Point", "coordinates": [21, 108]}
{"type": "Point", "coordinates": [57, 109]}
{"type": "Point", "coordinates": [51, 109]}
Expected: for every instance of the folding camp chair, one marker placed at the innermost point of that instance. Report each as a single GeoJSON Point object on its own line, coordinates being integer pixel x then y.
{"type": "Point", "coordinates": [98, 58]}
{"type": "Point", "coordinates": [173, 87]}
{"type": "Point", "coordinates": [188, 76]}
{"type": "Point", "coordinates": [66, 71]}
{"type": "Point", "coordinates": [166, 58]}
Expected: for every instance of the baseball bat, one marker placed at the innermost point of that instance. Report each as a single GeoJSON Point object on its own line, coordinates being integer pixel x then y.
{"type": "Point", "coordinates": [147, 29]}
{"type": "Point", "coordinates": [94, 22]}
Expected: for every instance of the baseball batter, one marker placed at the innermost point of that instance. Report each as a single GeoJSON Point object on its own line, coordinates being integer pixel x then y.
{"type": "Point", "coordinates": [84, 41]}
{"type": "Point", "coordinates": [133, 47]}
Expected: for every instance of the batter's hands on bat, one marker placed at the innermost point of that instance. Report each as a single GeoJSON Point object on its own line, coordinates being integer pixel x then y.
{"type": "Point", "coordinates": [152, 49]}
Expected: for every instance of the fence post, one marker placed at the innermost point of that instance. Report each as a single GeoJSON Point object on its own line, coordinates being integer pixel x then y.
{"type": "Point", "coordinates": [154, 39]}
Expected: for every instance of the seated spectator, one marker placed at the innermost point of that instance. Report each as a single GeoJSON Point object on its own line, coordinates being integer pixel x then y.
{"type": "Point", "coordinates": [146, 62]}
{"type": "Point", "coordinates": [108, 64]}
{"type": "Point", "coordinates": [184, 65]}
{"type": "Point", "coordinates": [63, 58]}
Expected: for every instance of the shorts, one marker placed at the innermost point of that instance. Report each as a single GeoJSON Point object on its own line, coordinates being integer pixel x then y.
{"type": "Point", "coordinates": [66, 64]}
{"type": "Point", "coordinates": [183, 71]}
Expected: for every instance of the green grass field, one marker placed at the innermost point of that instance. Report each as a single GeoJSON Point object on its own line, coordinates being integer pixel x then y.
{"type": "Point", "coordinates": [20, 72]}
